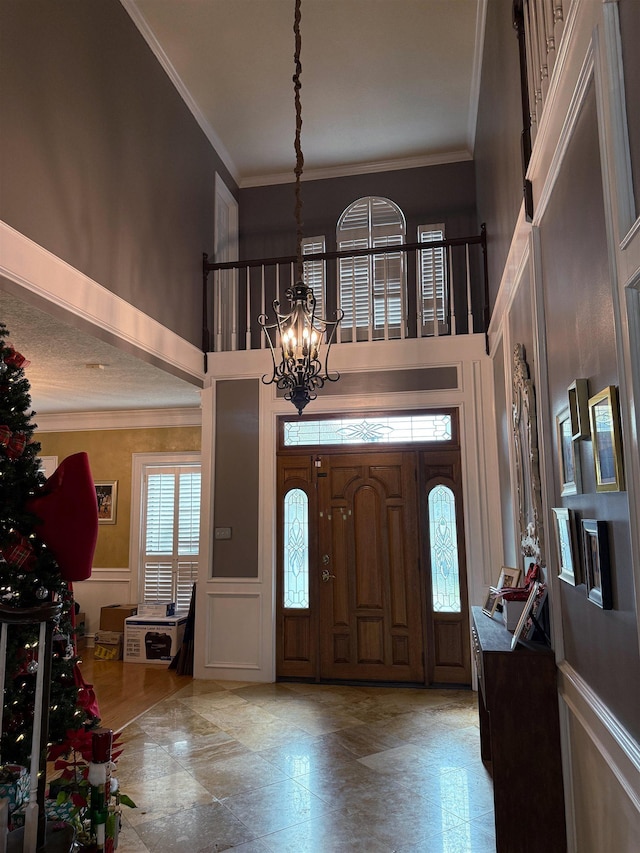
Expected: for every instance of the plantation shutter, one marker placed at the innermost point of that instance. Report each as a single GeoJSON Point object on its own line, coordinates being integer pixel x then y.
{"type": "Point", "coordinates": [433, 278]}
{"type": "Point", "coordinates": [314, 272]}
{"type": "Point", "coordinates": [171, 533]}
{"type": "Point", "coordinates": [372, 288]}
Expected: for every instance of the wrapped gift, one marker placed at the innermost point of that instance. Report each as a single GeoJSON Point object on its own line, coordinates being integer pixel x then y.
{"type": "Point", "coordinates": [14, 785]}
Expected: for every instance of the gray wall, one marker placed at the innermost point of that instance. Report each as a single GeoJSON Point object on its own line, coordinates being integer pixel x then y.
{"type": "Point", "coordinates": [498, 158]}
{"type": "Point", "coordinates": [101, 163]}
{"type": "Point", "coordinates": [236, 478]}
{"type": "Point", "coordinates": [602, 645]}
{"type": "Point", "coordinates": [444, 193]}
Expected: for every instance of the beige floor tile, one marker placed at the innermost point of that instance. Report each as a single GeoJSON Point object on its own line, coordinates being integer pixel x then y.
{"type": "Point", "coordinates": [165, 795]}
{"type": "Point", "coordinates": [228, 776]}
{"type": "Point", "coordinates": [275, 807]}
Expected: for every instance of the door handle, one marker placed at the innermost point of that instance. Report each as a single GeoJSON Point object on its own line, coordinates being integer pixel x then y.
{"type": "Point", "coordinates": [325, 559]}
{"type": "Point", "coordinates": [326, 575]}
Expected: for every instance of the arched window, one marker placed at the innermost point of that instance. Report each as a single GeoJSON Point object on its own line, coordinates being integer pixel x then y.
{"type": "Point", "coordinates": [443, 538]}
{"type": "Point", "coordinates": [372, 288]}
{"type": "Point", "coordinates": [296, 550]}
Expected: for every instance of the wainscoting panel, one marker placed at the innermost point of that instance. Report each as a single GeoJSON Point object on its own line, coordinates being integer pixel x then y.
{"type": "Point", "coordinates": [603, 793]}
{"type": "Point", "coordinates": [234, 632]}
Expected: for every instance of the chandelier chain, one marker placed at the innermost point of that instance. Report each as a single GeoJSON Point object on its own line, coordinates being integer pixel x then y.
{"type": "Point", "coordinates": [297, 85]}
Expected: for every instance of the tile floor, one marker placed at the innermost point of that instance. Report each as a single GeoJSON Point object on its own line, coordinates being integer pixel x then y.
{"type": "Point", "coordinates": [300, 768]}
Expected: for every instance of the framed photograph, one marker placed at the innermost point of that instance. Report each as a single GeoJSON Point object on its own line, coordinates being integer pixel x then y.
{"type": "Point", "coordinates": [578, 393]}
{"type": "Point", "coordinates": [568, 459]}
{"type": "Point", "coordinates": [508, 577]}
{"type": "Point", "coordinates": [48, 465]}
{"type": "Point", "coordinates": [597, 567]}
{"type": "Point", "coordinates": [607, 444]}
{"type": "Point", "coordinates": [492, 601]}
{"type": "Point", "coordinates": [107, 495]}
{"type": "Point", "coordinates": [520, 632]}
{"type": "Point", "coordinates": [568, 557]}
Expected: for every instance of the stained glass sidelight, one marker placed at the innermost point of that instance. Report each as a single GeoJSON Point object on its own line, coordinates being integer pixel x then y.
{"type": "Point", "coordinates": [394, 429]}
{"type": "Point", "coordinates": [445, 575]}
{"type": "Point", "coordinates": [296, 549]}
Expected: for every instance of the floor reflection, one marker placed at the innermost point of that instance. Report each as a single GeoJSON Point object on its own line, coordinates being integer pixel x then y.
{"type": "Point", "coordinates": [307, 769]}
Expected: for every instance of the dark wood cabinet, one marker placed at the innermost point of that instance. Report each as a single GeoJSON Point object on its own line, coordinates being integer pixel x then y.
{"type": "Point", "coordinates": [520, 738]}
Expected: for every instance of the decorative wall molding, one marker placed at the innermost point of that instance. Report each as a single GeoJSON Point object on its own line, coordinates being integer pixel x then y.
{"type": "Point", "coordinates": [234, 633]}
{"type": "Point", "coordinates": [618, 748]}
{"type": "Point", "coordinates": [107, 576]}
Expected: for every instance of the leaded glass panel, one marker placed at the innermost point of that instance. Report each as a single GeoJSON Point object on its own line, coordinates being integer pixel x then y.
{"type": "Point", "coordinates": [394, 429]}
{"type": "Point", "coordinates": [296, 549]}
{"type": "Point", "coordinates": [445, 575]}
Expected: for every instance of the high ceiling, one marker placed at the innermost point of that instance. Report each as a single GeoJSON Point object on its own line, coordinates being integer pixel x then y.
{"type": "Point", "coordinates": [386, 84]}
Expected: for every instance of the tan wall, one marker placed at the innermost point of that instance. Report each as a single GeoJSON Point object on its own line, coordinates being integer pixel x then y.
{"type": "Point", "coordinates": [110, 459]}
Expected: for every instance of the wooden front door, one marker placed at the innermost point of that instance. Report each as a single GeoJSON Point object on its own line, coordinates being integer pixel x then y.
{"type": "Point", "coordinates": [369, 559]}
{"type": "Point", "coordinates": [370, 602]}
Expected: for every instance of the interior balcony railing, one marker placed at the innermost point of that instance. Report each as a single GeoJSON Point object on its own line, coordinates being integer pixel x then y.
{"type": "Point", "coordinates": [390, 292]}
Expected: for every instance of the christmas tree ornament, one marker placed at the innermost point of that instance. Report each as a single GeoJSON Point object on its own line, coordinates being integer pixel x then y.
{"type": "Point", "coordinates": [41, 593]}
{"type": "Point", "coordinates": [32, 667]}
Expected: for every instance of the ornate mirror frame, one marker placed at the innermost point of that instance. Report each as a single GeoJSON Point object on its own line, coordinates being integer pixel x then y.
{"type": "Point", "coordinates": [525, 439]}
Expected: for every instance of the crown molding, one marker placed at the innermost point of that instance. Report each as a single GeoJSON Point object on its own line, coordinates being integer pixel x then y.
{"type": "Point", "coordinates": [359, 169]}
{"type": "Point", "coordinates": [147, 33]}
{"type": "Point", "coordinates": [125, 419]}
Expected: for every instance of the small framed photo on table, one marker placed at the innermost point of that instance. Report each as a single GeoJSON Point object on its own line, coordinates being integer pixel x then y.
{"type": "Point", "coordinates": [607, 442]}
{"type": "Point", "coordinates": [523, 628]}
{"type": "Point", "coordinates": [107, 497]}
{"type": "Point", "coordinates": [508, 578]}
{"type": "Point", "coordinates": [597, 566]}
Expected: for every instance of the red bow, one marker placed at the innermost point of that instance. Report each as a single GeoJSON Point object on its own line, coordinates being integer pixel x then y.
{"type": "Point", "coordinates": [18, 552]}
{"type": "Point", "coordinates": [16, 359]}
{"type": "Point", "coordinates": [14, 443]}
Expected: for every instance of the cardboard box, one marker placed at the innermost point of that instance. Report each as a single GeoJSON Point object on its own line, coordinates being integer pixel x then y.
{"type": "Point", "coordinates": [511, 613]}
{"type": "Point", "coordinates": [156, 609]}
{"type": "Point", "coordinates": [108, 645]}
{"type": "Point", "coordinates": [149, 640]}
{"type": "Point", "coordinates": [113, 615]}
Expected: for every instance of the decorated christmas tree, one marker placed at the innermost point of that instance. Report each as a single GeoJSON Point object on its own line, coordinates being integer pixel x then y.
{"type": "Point", "coordinates": [29, 574]}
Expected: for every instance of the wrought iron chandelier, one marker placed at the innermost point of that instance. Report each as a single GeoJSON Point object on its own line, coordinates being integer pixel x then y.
{"type": "Point", "coordinates": [299, 341]}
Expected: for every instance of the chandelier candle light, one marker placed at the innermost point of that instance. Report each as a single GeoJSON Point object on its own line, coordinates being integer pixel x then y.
{"type": "Point", "coordinates": [296, 339]}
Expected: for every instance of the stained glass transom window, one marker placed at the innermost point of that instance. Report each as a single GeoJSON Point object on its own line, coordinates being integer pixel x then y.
{"type": "Point", "coordinates": [445, 575]}
{"type": "Point", "coordinates": [296, 549]}
{"type": "Point", "coordinates": [394, 429]}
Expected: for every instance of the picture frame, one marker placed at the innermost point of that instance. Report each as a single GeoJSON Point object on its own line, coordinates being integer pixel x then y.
{"type": "Point", "coordinates": [566, 540]}
{"type": "Point", "coordinates": [508, 577]}
{"type": "Point", "coordinates": [607, 441]}
{"type": "Point", "coordinates": [491, 601]}
{"type": "Point", "coordinates": [568, 459]}
{"type": "Point", "coordinates": [578, 393]}
{"type": "Point", "coordinates": [520, 632]}
{"type": "Point", "coordinates": [597, 565]}
{"type": "Point", "coordinates": [107, 497]}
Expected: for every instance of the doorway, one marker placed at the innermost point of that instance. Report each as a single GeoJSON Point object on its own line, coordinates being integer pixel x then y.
{"type": "Point", "coordinates": [371, 576]}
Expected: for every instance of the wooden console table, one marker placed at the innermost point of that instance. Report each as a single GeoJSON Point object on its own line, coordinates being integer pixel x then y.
{"type": "Point", "coordinates": [520, 737]}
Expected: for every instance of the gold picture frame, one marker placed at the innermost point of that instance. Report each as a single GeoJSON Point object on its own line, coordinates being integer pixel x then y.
{"type": "Point", "coordinates": [607, 440]}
